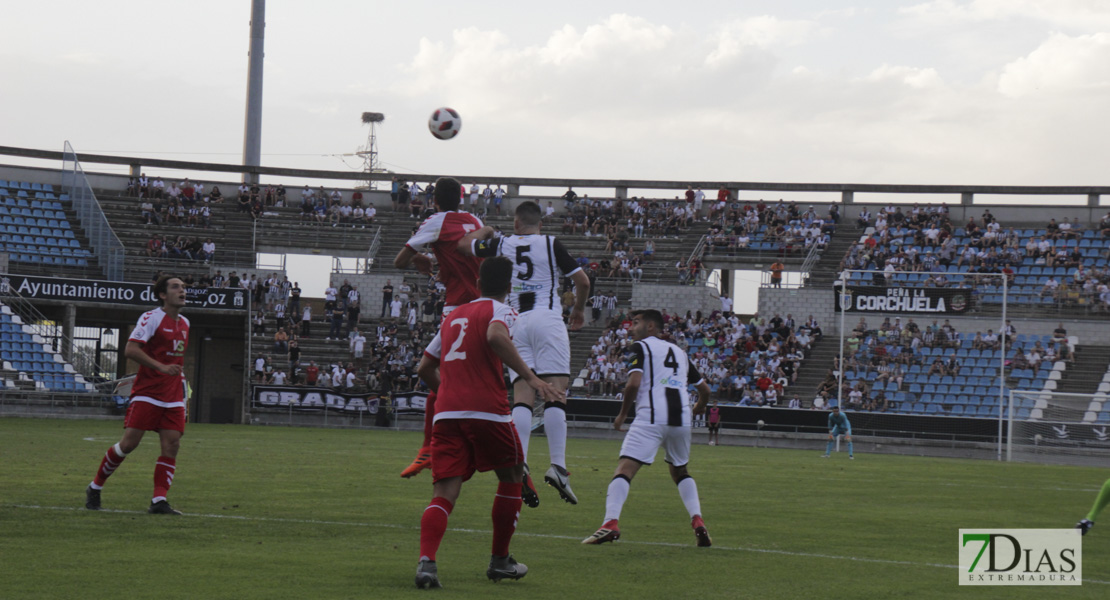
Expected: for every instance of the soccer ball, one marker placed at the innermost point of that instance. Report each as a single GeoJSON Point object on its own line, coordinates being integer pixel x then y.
{"type": "Point", "coordinates": [444, 123]}
{"type": "Point", "coordinates": [1038, 438]}
{"type": "Point", "coordinates": [760, 423]}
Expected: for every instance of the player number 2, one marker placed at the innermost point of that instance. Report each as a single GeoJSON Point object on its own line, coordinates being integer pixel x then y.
{"type": "Point", "coordinates": [454, 353]}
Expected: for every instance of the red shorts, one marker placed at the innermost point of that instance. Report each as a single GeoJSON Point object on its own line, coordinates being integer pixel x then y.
{"type": "Point", "coordinates": [462, 446]}
{"type": "Point", "coordinates": [148, 417]}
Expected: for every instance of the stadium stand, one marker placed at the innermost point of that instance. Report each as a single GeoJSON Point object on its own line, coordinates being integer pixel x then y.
{"type": "Point", "coordinates": [34, 227]}
{"type": "Point", "coordinates": [27, 358]}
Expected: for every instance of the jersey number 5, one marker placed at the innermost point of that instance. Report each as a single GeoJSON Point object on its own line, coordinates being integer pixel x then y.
{"type": "Point", "coordinates": [454, 353]}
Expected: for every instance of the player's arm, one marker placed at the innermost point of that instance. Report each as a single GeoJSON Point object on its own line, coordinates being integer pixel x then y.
{"type": "Point", "coordinates": [466, 245]}
{"type": "Point", "coordinates": [569, 266]}
{"type": "Point", "coordinates": [407, 256]}
{"type": "Point", "coordinates": [134, 351]}
{"type": "Point", "coordinates": [497, 335]}
{"type": "Point", "coordinates": [695, 378]}
{"type": "Point", "coordinates": [631, 389]}
{"type": "Point", "coordinates": [581, 294]}
{"type": "Point", "coordinates": [428, 371]}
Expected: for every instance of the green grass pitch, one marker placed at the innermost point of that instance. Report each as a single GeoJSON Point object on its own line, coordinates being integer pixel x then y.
{"type": "Point", "coordinates": [310, 513]}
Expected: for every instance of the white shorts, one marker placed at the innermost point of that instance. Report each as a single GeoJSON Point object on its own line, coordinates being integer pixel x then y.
{"type": "Point", "coordinates": [644, 439]}
{"type": "Point", "coordinates": [541, 338]}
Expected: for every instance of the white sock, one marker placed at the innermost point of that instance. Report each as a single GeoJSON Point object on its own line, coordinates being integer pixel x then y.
{"type": "Point", "coordinates": [688, 491]}
{"type": "Point", "coordinates": [555, 424]}
{"type": "Point", "coordinates": [615, 497]}
{"type": "Point", "coordinates": [522, 418]}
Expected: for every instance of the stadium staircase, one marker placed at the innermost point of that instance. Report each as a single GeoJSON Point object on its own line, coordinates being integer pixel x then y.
{"type": "Point", "coordinates": [825, 272]}
{"type": "Point", "coordinates": [813, 369]}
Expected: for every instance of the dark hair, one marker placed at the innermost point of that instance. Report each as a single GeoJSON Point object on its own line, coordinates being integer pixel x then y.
{"type": "Point", "coordinates": [529, 213]}
{"type": "Point", "coordinates": [495, 276]}
{"type": "Point", "coordinates": [447, 194]}
{"type": "Point", "coordinates": [650, 315]}
{"type": "Point", "coordinates": [162, 286]}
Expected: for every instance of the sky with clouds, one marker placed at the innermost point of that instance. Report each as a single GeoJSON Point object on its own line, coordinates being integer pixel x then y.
{"type": "Point", "coordinates": [920, 91]}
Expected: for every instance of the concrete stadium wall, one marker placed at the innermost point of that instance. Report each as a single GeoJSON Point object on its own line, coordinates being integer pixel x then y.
{"type": "Point", "coordinates": [801, 302]}
{"type": "Point", "coordinates": [675, 298]}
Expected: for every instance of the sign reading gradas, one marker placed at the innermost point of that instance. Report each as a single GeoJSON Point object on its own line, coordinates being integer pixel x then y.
{"type": "Point", "coordinates": [1021, 557]}
{"type": "Point", "coordinates": [115, 292]}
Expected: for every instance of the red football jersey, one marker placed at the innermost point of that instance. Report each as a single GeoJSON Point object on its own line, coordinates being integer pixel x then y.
{"type": "Point", "coordinates": [472, 380]}
{"type": "Point", "coordinates": [163, 339]}
{"type": "Point", "coordinates": [459, 273]}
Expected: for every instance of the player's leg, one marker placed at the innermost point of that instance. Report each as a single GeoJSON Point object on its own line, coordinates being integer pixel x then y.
{"type": "Point", "coordinates": [639, 448]}
{"type": "Point", "coordinates": [452, 462]}
{"type": "Point", "coordinates": [423, 458]}
{"type": "Point", "coordinates": [171, 426]}
{"type": "Point", "coordinates": [433, 526]}
{"type": "Point", "coordinates": [549, 345]}
{"type": "Point", "coordinates": [555, 426]}
{"type": "Point", "coordinates": [1101, 501]}
{"type": "Point", "coordinates": [677, 446]}
{"type": "Point", "coordinates": [164, 469]}
{"type": "Point", "coordinates": [110, 462]}
{"type": "Point", "coordinates": [829, 445]}
{"type": "Point", "coordinates": [492, 443]}
{"type": "Point", "coordinates": [848, 438]}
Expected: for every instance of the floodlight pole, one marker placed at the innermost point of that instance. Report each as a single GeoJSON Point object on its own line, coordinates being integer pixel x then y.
{"type": "Point", "coordinates": [252, 129]}
{"type": "Point", "coordinates": [1002, 363]}
{"type": "Point", "coordinates": [840, 370]}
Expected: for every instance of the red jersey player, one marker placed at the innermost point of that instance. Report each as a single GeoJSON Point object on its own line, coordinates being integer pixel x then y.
{"type": "Point", "coordinates": [441, 232]}
{"type": "Point", "coordinates": [473, 428]}
{"type": "Point", "coordinates": [158, 344]}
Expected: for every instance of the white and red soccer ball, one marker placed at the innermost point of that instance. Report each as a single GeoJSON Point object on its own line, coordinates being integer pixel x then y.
{"type": "Point", "coordinates": [444, 123]}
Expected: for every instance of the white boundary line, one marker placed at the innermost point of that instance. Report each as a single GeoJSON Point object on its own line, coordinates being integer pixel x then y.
{"type": "Point", "coordinates": [522, 534]}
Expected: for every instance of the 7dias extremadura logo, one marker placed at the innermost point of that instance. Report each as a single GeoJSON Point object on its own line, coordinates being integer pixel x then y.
{"type": "Point", "coordinates": [1021, 557]}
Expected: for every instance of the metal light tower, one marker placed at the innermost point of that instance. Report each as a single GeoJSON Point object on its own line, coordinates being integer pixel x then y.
{"type": "Point", "coordinates": [369, 152]}
{"type": "Point", "coordinates": [252, 129]}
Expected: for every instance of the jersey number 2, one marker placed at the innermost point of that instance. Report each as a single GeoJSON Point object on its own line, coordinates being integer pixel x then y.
{"type": "Point", "coordinates": [454, 353]}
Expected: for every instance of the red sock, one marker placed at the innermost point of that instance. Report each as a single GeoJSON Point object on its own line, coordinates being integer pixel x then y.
{"type": "Point", "coordinates": [429, 414]}
{"type": "Point", "coordinates": [163, 476]}
{"type": "Point", "coordinates": [112, 459]}
{"type": "Point", "coordinates": [433, 524]}
{"type": "Point", "coordinates": [506, 511]}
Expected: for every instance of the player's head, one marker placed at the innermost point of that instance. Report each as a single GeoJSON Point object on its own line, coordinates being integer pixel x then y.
{"type": "Point", "coordinates": [835, 408]}
{"type": "Point", "coordinates": [646, 323]}
{"type": "Point", "coordinates": [448, 192]}
{"type": "Point", "coordinates": [170, 291]}
{"type": "Point", "coordinates": [528, 216]}
{"type": "Point", "coordinates": [495, 277]}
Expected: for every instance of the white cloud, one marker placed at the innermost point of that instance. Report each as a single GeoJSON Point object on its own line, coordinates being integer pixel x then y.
{"type": "Point", "coordinates": [1085, 15]}
{"type": "Point", "coordinates": [1061, 64]}
{"type": "Point", "coordinates": [763, 32]}
{"type": "Point", "coordinates": [911, 76]}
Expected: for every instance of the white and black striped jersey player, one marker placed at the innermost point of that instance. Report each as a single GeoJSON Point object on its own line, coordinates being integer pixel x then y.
{"type": "Point", "coordinates": [539, 334]}
{"type": "Point", "coordinates": [659, 373]}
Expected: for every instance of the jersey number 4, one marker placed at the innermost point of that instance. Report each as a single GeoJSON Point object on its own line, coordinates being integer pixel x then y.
{"type": "Point", "coordinates": [454, 353]}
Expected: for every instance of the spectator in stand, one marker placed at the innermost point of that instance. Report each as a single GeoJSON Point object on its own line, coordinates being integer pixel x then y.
{"type": "Point", "coordinates": [156, 247]}
{"type": "Point", "coordinates": [150, 216]}
{"type": "Point", "coordinates": [281, 341]}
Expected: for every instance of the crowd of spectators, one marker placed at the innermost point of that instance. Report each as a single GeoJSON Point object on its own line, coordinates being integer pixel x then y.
{"type": "Point", "coordinates": [736, 225]}
{"type": "Point", "coordinates": [885, 356]}
{"type": "Point", "coordinates": [924, 240]}
{"type": "Point", "coordinates": [746, 364]}
{"type": "Point", "coordinates": [181, 247]}
{"type": "Point", "coordinates": [382, 354]}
